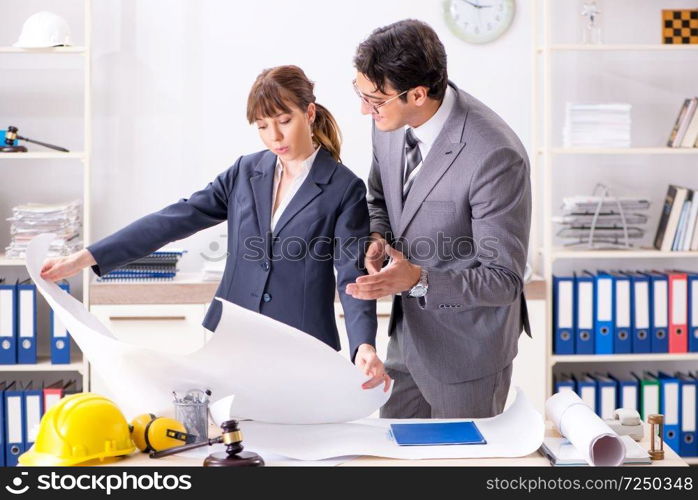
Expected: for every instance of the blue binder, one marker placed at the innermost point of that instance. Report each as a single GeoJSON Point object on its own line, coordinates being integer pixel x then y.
{"type": "Point", "coordinates": [623, 314]}
{"type": "Point", "coordinates": [2, 424]}
{"type": "Point", "coordinates": [60, 338]}
{"type": "Point", "coordinates": [435, 434]}
{"type": "Point", "coordinates": [606, 395]}
{"type": "Point", "coordinates": [628, 392]}
{"type": "Point", "coordinates": [584, 312]}
{"type": "Point", "coordinates": [605, 304]}
{"type": "Point", "coordinates": [563, 314]}
{"type": "Point", "coordinates": [659, 295]}
{"type": "Point", "coordinates": [14, 424]}
{"type": "Point", "coordinates": [693, 311]}
{"type": "Point", "coordinates": [8, 324]}
{"type": "Point", "coordinates": [586, 389]}
{"type": "Point", "coordinates": [564, 382]}
{"type": "Point", "coordinates": [642, 312]}
{"type": "Point", "coordinates": [33, 410]}
{"type": "Point", "coordinates": [26, 323]}
{"type": "Point", "coordinates": [688, 387]}
{"type": "Point", "coordinates": [669, 396]}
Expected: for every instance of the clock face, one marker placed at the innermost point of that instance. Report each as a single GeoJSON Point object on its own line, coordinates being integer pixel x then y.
{"type": "Point", "coordinates": [479, 21]}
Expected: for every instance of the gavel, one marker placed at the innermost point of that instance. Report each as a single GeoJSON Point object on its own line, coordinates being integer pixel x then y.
{"type": "Point", "coordinates": [233, 456]}
{"type": "Point", "coordinates": [11, 136]}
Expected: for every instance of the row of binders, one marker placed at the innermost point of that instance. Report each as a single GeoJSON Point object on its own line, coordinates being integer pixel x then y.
{"type": "Point", "coordinates": [625, 312]}
{"type": "Point", "coordinates": [673, 396]}
{"type": "Point", "coordinates": [21, 409]}
{"type": "Point", "coordinates": [18, 326]}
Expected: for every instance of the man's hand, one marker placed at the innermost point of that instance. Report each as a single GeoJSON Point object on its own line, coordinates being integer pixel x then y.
{"type": "Point", "coordinates": [375, 253]}
{"type": "Point", "coordinates": [372, 366]}
{"type": "Point", "coordinates": [396, 277]}
{"type": "Point", "coordinates": [65, 267]}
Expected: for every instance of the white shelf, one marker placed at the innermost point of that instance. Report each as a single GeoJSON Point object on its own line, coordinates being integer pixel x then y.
{"type": "Point", "coordinates": [559, 253]}
{"type": "Point", "coordinates": [49, 50]}
{"type": "Point", "coordinates": [621, 151]}
{"type": "Point", "coordinates": [78, 155]}
{"type": "Point", "coordinates": [562, 47]}
{"type": "Point", "coordinates": [4, 261]}
{"type": "Point", "coordinates": [612, 358]}
{"type": "Point", "coordinates": [44, 365]}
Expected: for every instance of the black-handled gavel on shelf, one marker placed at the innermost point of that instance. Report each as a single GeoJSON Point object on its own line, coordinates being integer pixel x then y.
{"type": "Point", "coordinates": [233, 456]}
{"type": "Point", "coordinates": [11, 136]}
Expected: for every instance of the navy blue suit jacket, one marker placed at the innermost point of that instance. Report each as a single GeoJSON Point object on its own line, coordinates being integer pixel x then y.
{"type": "Point", "coordinates": [287, 274]}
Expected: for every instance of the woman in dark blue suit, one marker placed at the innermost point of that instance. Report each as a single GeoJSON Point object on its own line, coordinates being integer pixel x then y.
{"type": "Point", "coordinates": [294, 215]}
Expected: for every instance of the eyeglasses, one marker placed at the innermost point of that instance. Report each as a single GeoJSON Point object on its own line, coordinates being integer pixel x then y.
{"type": "Point", "coordinates": [374, 106]}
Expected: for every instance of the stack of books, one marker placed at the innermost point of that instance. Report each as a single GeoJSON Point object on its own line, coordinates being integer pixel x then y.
{"type": "Point", "coordinates": [581, 214]}
{"type": "Point", "coordinates": [677, 224]}
{"type": "Point", "coordinates": [33, 219]}
{"type": "Point", "coordinates": [685, 131]}
{"type": "Point", "coordinates": [597, 125]}
{"type": "Point", "coordinates": [158, 266]}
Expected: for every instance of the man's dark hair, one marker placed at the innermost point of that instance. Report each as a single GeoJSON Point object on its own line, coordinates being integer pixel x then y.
{"type": "Point", "coordinates": [404, 55]}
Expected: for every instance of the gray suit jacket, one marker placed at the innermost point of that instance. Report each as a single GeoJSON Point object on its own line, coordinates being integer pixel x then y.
{"type": "Point", "coordinates": [466, 220]}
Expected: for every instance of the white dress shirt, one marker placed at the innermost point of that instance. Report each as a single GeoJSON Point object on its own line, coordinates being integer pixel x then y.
{"type": "Point", "coordinates": [428, 131]}
{"type": "Point", "coordinates": [293, 188]}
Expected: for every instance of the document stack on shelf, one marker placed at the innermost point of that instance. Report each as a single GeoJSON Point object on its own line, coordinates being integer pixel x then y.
{"type": "Point", "coordinates": [624, 312]}
{"type": "Point", "coordinates": [685, 131]}
{"type": "Point", "coordinates": [32, 219]}
{"type": "Point", "coordinates": [22, 404]}
{"type": "Point", "coordinates": [600, 221]}
{"type": "Point", "coordinates": [597, 125]}
{"type": "Point", "coordinates": [671, 394]}
{"type": "Point", "coordinates": [676, 230]}
{"type": "Point", "coordinates": [158, 266]}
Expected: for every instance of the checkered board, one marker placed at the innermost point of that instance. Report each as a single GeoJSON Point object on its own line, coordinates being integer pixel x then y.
{"type": "Point", "coordinates": [680, 26]}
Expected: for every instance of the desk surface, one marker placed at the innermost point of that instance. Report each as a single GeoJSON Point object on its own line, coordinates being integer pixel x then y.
{"type": "Point", "coordinates": [535, 459]}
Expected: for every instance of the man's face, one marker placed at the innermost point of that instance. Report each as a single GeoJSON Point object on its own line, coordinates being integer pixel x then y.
{"type": "Point", "coordinates": [388, 111]}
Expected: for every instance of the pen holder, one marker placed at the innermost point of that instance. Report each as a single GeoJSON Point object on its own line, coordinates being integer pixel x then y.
{"type": "Point", "coordinates": [194, 416]}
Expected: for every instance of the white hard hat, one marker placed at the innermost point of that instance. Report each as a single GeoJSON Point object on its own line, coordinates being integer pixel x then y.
{"type": "Point", "coordinates": [44, 29]}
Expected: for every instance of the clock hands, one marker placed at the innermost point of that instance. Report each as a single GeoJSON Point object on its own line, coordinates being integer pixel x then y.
{"type": "Point", "coordinates": [476, 5]}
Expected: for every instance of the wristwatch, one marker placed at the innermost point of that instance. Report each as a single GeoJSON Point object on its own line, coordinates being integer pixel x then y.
{"type": "Point", "coordinates": [420, 289]}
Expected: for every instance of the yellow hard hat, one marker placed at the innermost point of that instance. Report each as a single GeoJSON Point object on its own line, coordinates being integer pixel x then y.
{"type": "Point", "coordinates": [80, 428]}
{"type": "Point", "coordinates": [151, 433]}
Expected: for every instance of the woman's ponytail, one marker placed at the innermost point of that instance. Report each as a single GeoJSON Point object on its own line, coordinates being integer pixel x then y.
{"type": "Point", "coordinates": [326, 131]}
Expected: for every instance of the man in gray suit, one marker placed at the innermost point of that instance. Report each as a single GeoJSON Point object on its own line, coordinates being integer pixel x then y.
{"type": "Point", "coordinates": [450, 204]}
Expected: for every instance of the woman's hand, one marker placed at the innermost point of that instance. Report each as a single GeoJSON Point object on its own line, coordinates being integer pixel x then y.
{"type": "Point", "coordinates": [64, 267]}
{"type": "Point", "coordinates": [372, 366]}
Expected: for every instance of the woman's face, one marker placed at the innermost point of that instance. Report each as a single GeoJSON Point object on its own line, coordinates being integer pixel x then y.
{"type": "Point", "coordinates": [289, 135]}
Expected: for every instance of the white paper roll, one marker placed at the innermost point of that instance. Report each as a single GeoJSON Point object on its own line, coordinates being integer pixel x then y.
{"type": "Point", "coordinates": [597, 442]}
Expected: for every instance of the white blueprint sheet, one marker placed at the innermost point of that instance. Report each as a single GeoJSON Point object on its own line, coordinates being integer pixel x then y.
{"type": "Point", "coordinates": [277, 373]}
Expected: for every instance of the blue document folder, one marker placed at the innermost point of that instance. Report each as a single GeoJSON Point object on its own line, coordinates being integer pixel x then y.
{"type": "Point", "coordinates": [437, 434]}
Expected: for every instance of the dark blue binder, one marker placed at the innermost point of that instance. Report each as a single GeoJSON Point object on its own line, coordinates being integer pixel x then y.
{"type": "Point", "coordinates": [14, 424]}
{"type": "Point", "coordinates": [642, 312]}
{"type": "Point", "coordinates": [622, 314]}
{"type": "Point", "coordinates": [564, 382]}
{"type": "Point", "coordinates": [605, 303]}
{"type": "Point", "coordinates": [563, 314]}
{"type": "Point", "coordinates": [26, 323]}
{"type": "Point", "coordinates": [669, 396]}
{"type": "Point", "coordinates": [693, 311]}
{"type": "Point", "coordinates": [8, 324]}
{"type": "Point", "coordinates": [659, 295]}
{"type": "Point", "coordinates": [437, 434]}
{"type": "Point", "coordinates": [628, 392]}
{"type": "Point", "coordinates": [584, 312]}
{"type": "Point", "coordinates": [688, 387]}
{"type": "Point", "coordinates": [60, 338]}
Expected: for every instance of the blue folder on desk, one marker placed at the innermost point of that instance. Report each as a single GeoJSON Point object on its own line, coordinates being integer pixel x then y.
{"type": "Point", "coordinates": [584, 312]}
{"type": "Point", "coordinates": [437, 434]}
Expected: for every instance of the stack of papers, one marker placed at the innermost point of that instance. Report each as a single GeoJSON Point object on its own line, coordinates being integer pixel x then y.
{"type": "Point", "coordinates": [597, 126]}
{"type": "Point", "coordinates": [32, 219]}
{"type": "Point", "coordinates": [579, 216]}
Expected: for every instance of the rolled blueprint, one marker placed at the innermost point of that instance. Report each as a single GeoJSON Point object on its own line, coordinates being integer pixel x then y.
{"type": "Point", "coordinates": [597, 442]}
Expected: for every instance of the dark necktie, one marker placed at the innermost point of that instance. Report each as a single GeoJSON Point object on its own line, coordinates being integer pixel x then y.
{"type": "Point", "coordinates": [413, 157]}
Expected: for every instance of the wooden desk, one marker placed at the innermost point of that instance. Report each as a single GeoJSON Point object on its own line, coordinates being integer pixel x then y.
{"type": "Point", "coordinates": [535, 459]}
